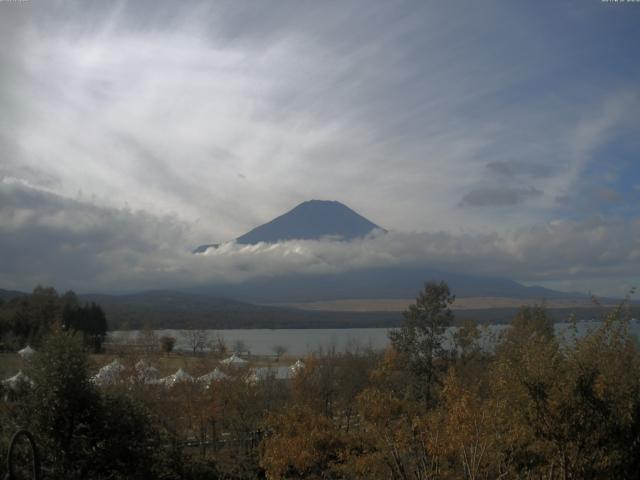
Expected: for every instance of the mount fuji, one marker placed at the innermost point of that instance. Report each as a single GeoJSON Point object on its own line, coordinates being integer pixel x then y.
{"type": "Point", "coordinates": [311, 220]}
{"type": "Point", "coordinates": [320, 219]}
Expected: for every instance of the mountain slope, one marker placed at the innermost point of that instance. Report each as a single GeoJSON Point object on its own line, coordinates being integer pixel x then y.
{"type": "Point", "coordinates": [311, 220]}
{"type": "Point", "coordinates": [6, 295]}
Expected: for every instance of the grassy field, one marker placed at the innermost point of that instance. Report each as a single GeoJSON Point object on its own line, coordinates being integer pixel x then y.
{"type": "Point", "coordinates": [463, 303]}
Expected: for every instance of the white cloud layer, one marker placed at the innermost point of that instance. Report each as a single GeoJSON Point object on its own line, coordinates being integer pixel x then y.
{"type": "Point", "coordinates": [48, 239]}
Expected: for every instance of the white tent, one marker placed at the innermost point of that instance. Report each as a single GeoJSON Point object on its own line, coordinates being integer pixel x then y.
{"type": "Point", "coordinates": [114, 367]}
{"type": "Point", "coordinates": [17, 380]}
{"type": "Point", "coordinates": [27, 352]}
{"type": "Point", "coordinates": [146, 373]}
{"type": "Point", "coordinates": [216, 374]}
{"type": "Point", "coordinates": [142, 364]}
{"type": "Point", "coordinates": [234, 360]}
{"type": "Point", "coordinates": [178, 377]}
{"type": "Point", "coordinates": [108, 374]}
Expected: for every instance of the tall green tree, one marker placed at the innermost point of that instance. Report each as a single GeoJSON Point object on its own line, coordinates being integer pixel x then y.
{"type": "Point", "coordinates": [64, 404]}
{"type": "Point", "coordinates": [28, 319]}
{"type": "Point", "coordinates": [90, 320]}
{"type": "Point", "coordinates": [420, 339]}
{"type": "Point", "coordinates": [85, 434]}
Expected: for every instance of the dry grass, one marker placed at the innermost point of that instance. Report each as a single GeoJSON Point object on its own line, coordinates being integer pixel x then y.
{"type": "Point", "coordinates": [466, 303]}
{"type": "Point", "coordinates": [10, 364]}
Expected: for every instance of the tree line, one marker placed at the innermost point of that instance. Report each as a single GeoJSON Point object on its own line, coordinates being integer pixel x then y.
{"type": "Point", "coordinates": [26, 320]}
{"type": "Point", "coordinates": [534, 406]}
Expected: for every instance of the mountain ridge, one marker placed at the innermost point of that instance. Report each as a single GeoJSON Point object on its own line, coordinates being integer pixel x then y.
{"type": "Point", "coordinates": [379, 282]}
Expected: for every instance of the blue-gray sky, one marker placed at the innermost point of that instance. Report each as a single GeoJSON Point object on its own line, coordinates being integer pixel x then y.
{"type": "Point", "coordinates": [504, 134]}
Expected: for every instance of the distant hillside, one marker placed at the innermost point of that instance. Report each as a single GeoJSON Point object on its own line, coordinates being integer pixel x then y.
{"type": "Point", "coordinates": [161, 306]}
{"type": "Point", "coordinates": [6, 295]}
{"type": "Point", "coordinates": [392, 282]}
{"type": "Point", "coordinates": [173, 309]}
{"type": "Point", "coordinates": [311, 220]}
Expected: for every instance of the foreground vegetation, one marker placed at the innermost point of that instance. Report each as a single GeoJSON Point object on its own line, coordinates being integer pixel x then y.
{"type": "Point", "coordinates": [532, 408]}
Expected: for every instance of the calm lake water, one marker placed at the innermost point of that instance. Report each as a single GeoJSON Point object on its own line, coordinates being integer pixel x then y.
{"type": "Point", "coordinates": [299, 342]}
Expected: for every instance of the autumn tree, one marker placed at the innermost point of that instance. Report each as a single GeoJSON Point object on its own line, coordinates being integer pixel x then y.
{"type": "Point", "coordinates": [279, 350]}
{"type": "Point", "coordinates": [197, 339]}
{"type": "Point", "coordinates": [571, 409]}
{"type": "Point", "coordinates": [468, 431]}
{"type": "Point", "coordinates": [218, 346]}
{"type": "Point", "coordinates": [396, 439]}
{"type": "Point", "coordinates": [466, 341]}
{"type": "Point", "coordinates": [147, 339]}
{"type": "Point", "coordinates": [316, 385]}
{"type": "Point", "coordinates": [300, 443]}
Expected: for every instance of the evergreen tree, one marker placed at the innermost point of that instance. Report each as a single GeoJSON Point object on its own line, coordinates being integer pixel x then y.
{"type": "Point", "coordinates": [420, 338]}
{"type": "Point", "coordinates": [64, 404]}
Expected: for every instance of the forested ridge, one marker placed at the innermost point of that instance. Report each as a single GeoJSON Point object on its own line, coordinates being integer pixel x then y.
{"type": "Point", "coordinates": [27, 319]}
{"type": "Point", "coordinates": [175, 310]}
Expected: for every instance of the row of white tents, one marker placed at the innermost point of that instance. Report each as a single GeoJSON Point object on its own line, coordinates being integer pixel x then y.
{"type": "Point", "coordinates": [145, 373]}
{"type": "Point", "coordinates": [148, 374]}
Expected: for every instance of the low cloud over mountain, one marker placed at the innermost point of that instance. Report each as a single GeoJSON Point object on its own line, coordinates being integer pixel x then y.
{"type": "Point", "coordinates": [311, 220]}
{"type": "Point", "coordinates": [71, 243]}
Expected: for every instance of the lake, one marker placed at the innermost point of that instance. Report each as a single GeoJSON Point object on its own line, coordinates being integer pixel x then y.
{"type": "Point", "coordinates": [299, 342]}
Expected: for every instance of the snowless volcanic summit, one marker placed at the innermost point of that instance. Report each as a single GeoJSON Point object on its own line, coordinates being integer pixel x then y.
{"type": "Point", "coordinates": [311, 220]}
